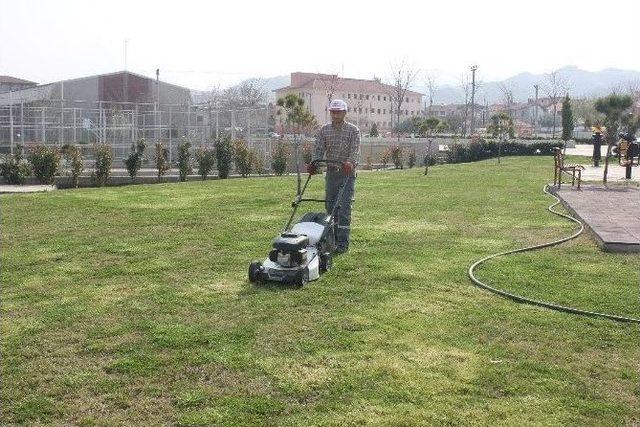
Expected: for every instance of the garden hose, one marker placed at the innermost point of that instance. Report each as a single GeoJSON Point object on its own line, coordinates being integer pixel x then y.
{"type": "Point", "coordinates": [549, 305]}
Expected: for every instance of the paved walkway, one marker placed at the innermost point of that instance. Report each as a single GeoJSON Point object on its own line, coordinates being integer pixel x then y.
{"type": "Point", "coordinates": [26, 188]}
{"type": "Point", "coordinates": [612, 214]}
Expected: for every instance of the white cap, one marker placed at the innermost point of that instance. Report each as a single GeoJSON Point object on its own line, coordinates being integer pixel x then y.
{"type": "Point", "coordinates": [338, 105]}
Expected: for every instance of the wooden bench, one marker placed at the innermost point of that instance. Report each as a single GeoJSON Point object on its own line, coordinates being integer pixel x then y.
{"type": "Point", "coordinates": [560, 167]}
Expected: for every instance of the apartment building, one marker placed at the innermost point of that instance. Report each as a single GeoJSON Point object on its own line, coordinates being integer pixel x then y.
{"type": "Point", "coordinates": [369, 101]}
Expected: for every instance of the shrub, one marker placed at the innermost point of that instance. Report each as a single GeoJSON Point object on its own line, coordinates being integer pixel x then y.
{"type": "Point", "coordinates": [483, 149]}
{"type": "Point", "coordinates": [307, 152]}
{"type": "Point", "coordinates": [14, 168]}
{"type": "Point", "coordinates": [224, 156]}
{"type": "Point", "coordinates": [45, 162]}
{"type": "Point", "coordinates": [243, 157]}
{"type": "Point", "coordinates": [384, 158]}
{"type": "Point", "coordinates": [397, 156]}
{"type": "Point", "coordinates": [411, 161]}
{"type": "Point", "coordinates": [184, 160]}
{"type": "Point", "coordinates": [73, 156]}
{"type": "Point", "coordinates": [104, 158]}
{"type": "Point", "coordinates": [206, 159]}
{"type": "Point", "coordinates": [134, 161]}
{"type": "Point", "coordinates": [280, 156]}
{"type": "Point", "coordinates": [258, 163]}
{"type": "Point", "coordinates": [162, 160]}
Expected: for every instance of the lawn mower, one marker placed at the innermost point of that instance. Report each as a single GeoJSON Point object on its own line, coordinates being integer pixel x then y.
{"type": "Point", "coordinates": [301, 252]}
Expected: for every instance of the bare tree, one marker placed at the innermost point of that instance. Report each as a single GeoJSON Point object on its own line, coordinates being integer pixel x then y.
{"type": "Point", "coordinates": [555, 87]}
{"type": "Point", "coordinates": [430, 83]}
{"type": "Point", "coordinates": [402, 76]}
{"type": "Point", "coordinates": [507, 97]}
{"type": "Point", "coordinates": [330, 85]}
{"type": "Point", "coordinates": [465, 85]}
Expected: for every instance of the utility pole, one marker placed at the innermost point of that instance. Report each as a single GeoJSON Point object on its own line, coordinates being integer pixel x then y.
{"type": "Point", "coordinates": [535, 113]}
{"type": "Point", "coordinates": [157, 105]}
{"type": "Point", "coordinates": [473, 94]}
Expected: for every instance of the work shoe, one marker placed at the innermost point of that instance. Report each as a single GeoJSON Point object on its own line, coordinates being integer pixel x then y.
{"type": "Point", "coordinates": [340, 249]}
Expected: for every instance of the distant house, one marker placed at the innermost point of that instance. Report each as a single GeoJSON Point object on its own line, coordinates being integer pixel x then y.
{"type": "Point", "coordinates": [369, 101]}
{"type": "Point", "coordinates": [11, 84]}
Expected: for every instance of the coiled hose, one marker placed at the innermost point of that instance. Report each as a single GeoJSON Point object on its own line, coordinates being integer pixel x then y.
{"type": "Point", "coordinates": [549, 305]}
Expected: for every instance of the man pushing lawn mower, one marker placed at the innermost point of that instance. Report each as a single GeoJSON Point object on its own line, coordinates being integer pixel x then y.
{"type": "Point", "coordinates": [339, 143]}
{"type": "Point", "coordinates": [304, 250]}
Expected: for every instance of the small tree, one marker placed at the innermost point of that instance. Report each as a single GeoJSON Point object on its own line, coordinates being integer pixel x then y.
{"type": "Point", "coordinates": [500, 125]}
{"type": "Point", "coordinates": [374, 131]}
{"type": "Point", "coordinates": [307, 152]}
{"type": "Point", "coordinates": [258, 162]}
{"type": "Point", "coordinates": [242, 157]}
{"type": "Point", "coordinates": [184, 159]}
{"type": "Point", "coordinates": [134, 161]}
{"type": "Point", "coordinates": [104, 158]}
{"type": "Point", "coordinates": [224, 156]}
{"type": "Point", "coordinates": [397, 156]}
{"type": "Point", "coordinates": [206, 159]}
{"type": "Point", "coordinates": [14, 168]}
{"type": "Point", "coordinates": [162, 160]}
{"type": "Point", "coordinates": [411, 161]}
{"type": "Point", "coordinates": [280, 155]}
{"type": "Point", "coordinates": [45, 162]}
{"type": "Point", "coordinates": [567, 121]}
{"type": "Point", "coordinates": [613, 108]}
{"type": "Point", "coordinates": [384, 158]}
{"type": "Point", "coordinates": [73, 156]}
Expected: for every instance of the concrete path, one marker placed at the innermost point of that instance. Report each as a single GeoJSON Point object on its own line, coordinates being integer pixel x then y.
{"type": "Point", "coordinates": [26, 188]}
{"type": "Point", "coordinates": [612, 214]}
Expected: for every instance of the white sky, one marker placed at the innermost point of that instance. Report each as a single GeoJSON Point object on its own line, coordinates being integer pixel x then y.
{"type": "Point", "coordinates": [200, 44]}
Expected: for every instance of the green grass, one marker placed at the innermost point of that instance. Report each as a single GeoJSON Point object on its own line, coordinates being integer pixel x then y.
{"type": "Point", "coordinates": [130, 306]}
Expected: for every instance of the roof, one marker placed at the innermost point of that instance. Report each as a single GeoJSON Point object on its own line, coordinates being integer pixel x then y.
{"type": "Point", "coordinates": [10, 79]}
{"type": "Point", "coordinates": [320, 81]}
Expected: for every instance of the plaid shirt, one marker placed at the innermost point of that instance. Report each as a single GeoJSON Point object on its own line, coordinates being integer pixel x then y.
{"type": "Point", "coordinates": [338, 144]}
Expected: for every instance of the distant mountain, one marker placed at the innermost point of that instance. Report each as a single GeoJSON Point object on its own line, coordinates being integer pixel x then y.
{"type": "Point", "coordinates": [580, 84]}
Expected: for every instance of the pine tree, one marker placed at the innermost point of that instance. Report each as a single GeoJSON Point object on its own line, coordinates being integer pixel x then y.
{"type": "Point", "coordinates": [567, 120]}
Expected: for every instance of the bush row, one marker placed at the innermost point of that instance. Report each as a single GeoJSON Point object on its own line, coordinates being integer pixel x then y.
{"type": "Point", "coordinates": [45, 162]}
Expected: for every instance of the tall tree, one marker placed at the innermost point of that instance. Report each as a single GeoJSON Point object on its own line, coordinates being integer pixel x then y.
{"type": "Point", "coordinates": [554, 87]}
{"type": "Point", "coordinates": [567, 121]}
{"type": "Point", "coordinates": [330, 85]}
{"type": "Point", "coordinates": [613, 107]}
{"type": "Point", "coordinates": [430, 83]}
{"type": "Point", "coordinates": [402, 76]}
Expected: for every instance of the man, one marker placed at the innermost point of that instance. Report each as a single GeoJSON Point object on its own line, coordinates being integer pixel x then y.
{"type": "Point", "coordinates": [338, 141]}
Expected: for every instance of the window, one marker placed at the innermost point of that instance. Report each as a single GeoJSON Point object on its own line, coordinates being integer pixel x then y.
{"type": "Point", "coordinates": [384, 111]}
{"type": "Point", "coordinates": [348, 96]}
{"type": "Point", "coordinates": [407, 99]}
{"type": "Point", "coordinates": [385, 98]}
{"type": "Point", "coordinates": [378, 111]}
{"type": "Point", "coordinates": [360, 110]}
{"type": "Point", "coordinates": [367, 96]}
{"type": "Point", "coordinates": [372, 111]}
{"type": "Point", "coordinates": [360, 96]}
{"type": "Point", "coordinates": [378, 97]}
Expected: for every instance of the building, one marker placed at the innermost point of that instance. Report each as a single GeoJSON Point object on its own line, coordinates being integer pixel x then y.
{"type": "Point", "coordinates": [120, 87]}
{"type": "Point", "coordinates": [369, 101]}
{"type": "Point", "coordinates": [117, 108]}
{"type": "Point", "coordinates": [11, 84]}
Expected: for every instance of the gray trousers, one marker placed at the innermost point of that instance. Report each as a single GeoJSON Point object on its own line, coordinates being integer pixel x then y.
{"type": "Point", "coordinates": [333, 181]}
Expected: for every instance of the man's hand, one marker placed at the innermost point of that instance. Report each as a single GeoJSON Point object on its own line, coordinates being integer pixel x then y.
{"type": "Point", "coordinates": [347, 168]}
{"type": "Point", "coordinates": [312, 169]}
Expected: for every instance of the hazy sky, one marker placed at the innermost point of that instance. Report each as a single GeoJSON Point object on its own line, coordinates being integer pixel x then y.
{"type": "Point", "coordinates": [200, 44]}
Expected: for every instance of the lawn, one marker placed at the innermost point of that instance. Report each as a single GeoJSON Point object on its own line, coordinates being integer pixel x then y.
{"type": "Point", "coordinates": [131, 306]}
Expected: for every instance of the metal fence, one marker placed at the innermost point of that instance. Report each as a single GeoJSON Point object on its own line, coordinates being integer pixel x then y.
{"type": "Point", "coordinates": [120, 124]}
